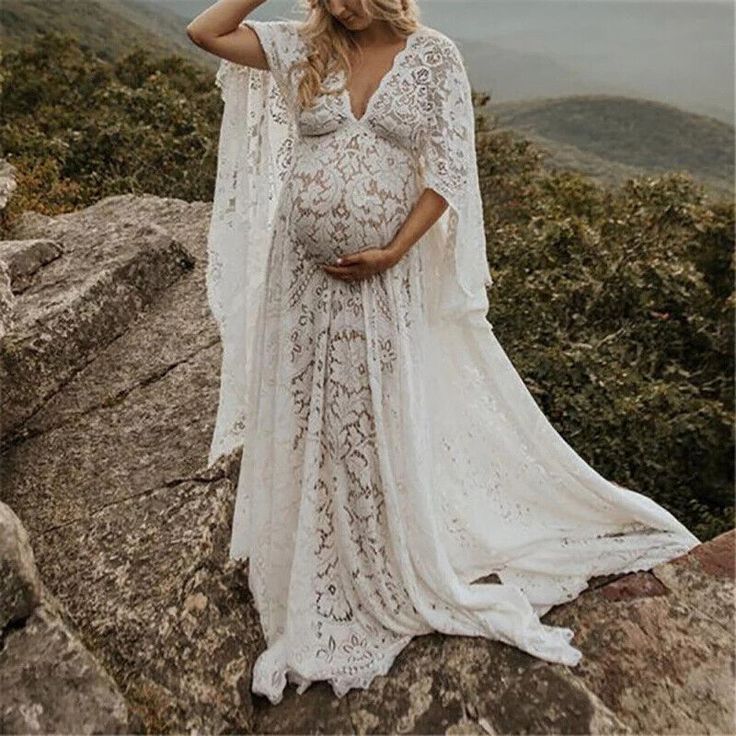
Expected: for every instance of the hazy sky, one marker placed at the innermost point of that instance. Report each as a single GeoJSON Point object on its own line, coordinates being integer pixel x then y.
{"type": "Point", "coordinates": [675, 51]}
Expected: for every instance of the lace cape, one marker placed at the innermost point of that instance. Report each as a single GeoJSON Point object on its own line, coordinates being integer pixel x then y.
{"type": "Point", "coordinates": [511, 494]}
{"type": "Point", "coordinates": [257, 139]}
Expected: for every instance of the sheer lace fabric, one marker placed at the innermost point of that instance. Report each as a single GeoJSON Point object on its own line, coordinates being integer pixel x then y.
{"type": "Point", "coordinates": [392, 454]}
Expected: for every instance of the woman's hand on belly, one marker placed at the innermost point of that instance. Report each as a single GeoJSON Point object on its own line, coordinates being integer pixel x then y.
{"type": "Point", "coordinates": [361, 264]}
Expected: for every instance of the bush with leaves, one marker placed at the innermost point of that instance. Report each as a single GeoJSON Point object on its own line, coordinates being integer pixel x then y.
{"type": "Point", "coordinates": [79, 128]}
{"type": "Point", "coordinates": [616, 306]}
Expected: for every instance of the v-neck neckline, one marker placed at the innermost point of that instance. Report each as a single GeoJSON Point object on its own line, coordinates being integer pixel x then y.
{"type": "Point", "coordinates": [392, 69]}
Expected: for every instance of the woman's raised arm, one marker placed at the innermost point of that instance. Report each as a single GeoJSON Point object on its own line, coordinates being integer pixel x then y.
{"type": "Point", "coordinates": [218, 31]}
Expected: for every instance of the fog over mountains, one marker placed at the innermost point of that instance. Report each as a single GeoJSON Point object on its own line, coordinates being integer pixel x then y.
{"type": "Point", "coordinates": [609, 88]}
{"type": "Point", "coordinates": [681, 53]}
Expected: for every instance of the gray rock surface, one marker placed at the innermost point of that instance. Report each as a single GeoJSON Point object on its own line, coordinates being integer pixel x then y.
{"type": "Point", "coordinates": [130, 532]}
{"type": "Point", "coordinates": [78, 288]}
{"type": "Point", "coordinates": [50, 683]}
{"type": "Point", "coordinates": [20, 586]}
{"type": "Point", "coordinates": [127, 529]}
{"type": "Point", "coordinates": [8, 183]}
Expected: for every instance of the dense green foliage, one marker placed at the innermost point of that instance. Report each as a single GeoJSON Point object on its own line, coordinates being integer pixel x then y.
{"type": "Point", "coordinates": [80, 128]}
{"type": "Point", "coordinates": [616, 306]}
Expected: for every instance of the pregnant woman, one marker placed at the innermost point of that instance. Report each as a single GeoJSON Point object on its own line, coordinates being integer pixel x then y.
{"type": "Point", "coordinates": [392, 455]}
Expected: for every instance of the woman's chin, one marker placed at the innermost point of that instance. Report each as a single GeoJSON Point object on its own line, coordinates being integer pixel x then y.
{"type": "Point", "coordinates": [355, 24]}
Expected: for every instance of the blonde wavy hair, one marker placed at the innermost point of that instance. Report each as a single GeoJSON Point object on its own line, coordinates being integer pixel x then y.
{"type": "Point", "coordinates": [329, 41]}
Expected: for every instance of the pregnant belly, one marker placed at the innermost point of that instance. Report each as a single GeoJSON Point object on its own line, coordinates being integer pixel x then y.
{"type": "Point", "coordinates": [341, 199]}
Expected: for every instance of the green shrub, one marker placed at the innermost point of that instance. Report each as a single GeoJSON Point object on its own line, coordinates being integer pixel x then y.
{"type": "Point", "coordinates": [80, 128]}
{"type": "Point", "coordinates": [616, 306]}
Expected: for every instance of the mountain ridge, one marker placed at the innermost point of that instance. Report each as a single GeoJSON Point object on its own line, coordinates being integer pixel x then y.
{"type": "Point", "coordinates": [642, 136]}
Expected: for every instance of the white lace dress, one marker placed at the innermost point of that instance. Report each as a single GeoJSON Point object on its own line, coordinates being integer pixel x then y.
{"type": "Point", "coordinates": [392, 454]}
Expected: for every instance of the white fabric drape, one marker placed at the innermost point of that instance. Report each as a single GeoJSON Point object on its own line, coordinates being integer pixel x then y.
{"type": "Point", "coordinates": [475, 478]}
{"type": "Point", "coordinates": [255, 146]}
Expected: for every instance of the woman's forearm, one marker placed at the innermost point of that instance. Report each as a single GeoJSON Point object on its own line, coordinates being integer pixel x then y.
{"type": "Point", "coordinates": [221, 18]}
{"type": "Point", "coordinates": [427, 210]}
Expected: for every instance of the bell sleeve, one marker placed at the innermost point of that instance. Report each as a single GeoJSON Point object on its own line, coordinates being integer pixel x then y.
{"type": "Point", "coordinates": [449, 165]}
{"type": "Point", "coordinates": [257, 136]}
{"type": "Point", "coordinates": [283, 47]}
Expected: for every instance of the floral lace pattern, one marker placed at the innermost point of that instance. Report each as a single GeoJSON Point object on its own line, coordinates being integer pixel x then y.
{"type": "Point", "coordinates": [392, 454]}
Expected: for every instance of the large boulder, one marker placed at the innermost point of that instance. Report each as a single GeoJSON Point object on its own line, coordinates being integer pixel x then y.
{"type": "Point", "coordinates": [49, 681]}
{"type": "Point", "coordinates": [130, 532]}
{"type": "Point", "coordinates": [108, 475]}
{"type": "Point", "coordinates": [76, 288]}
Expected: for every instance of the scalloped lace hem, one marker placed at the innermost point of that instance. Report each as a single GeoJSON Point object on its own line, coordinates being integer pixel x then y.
{"type": "Point", "coordinates": [272, 670]}
{"type": "Point", "coordinates": [272, 673]}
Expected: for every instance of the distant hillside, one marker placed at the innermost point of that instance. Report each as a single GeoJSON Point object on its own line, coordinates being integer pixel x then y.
{"type": "Point", "coordinates": [110, 29]}
{"type": "Point", "coordinates": [611, 138]}
{"type": "Point", "coordinates": [606, 137]}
